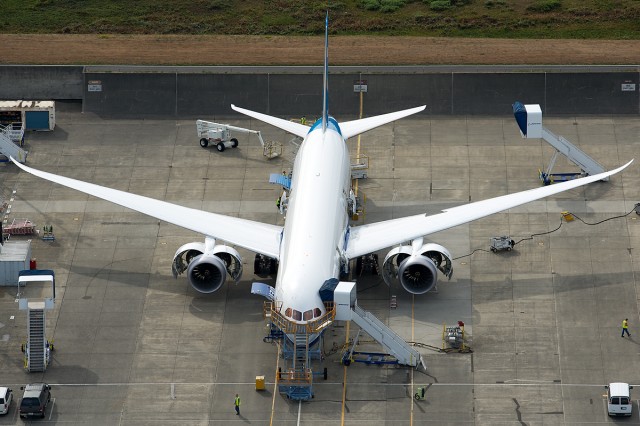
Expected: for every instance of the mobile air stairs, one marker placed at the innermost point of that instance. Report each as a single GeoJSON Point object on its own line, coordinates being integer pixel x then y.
{"type": "Point", "coordinates": [37, 349]}
{"type": "Point", "coordinates": [302, 343]}
{"type": "Point", "coordinates": [10, 136]}
{"type": "Point", "coordinates": [529, 119]}
{"type": "Point", "coordinates": [347, 309]}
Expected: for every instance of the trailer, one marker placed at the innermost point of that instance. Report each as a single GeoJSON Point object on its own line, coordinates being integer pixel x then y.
{"type": "Point", "coordinates": [220, 135]}
{"type": "Point", "coordinates": [20, 227]}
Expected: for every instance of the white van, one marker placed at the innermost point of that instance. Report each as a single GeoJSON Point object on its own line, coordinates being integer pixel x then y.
{"type": "Point", "coordinates": [618, 399]}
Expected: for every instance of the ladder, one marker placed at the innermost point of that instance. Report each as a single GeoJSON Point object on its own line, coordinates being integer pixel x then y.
{"type": "Point", "coordinates": [8, 147]}
{"type": "Point", "coordinates": [36, 349]}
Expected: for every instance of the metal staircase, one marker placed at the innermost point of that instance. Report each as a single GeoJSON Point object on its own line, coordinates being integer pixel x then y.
{"type": "Point", "coordinates": [389, 339]}
{"type": "Point", "coordinates": [36, 349]}
{"type": "Point", "coordinates": [301, 343]}
{"type": "Point", "coordinates": [8, 147]}
{"type": "Point", "coordinates": [347, 309]}
{"type": "Point", "coordinates": [529, 119]}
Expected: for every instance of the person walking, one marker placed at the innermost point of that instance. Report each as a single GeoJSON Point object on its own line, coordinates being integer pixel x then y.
{"type": "Point", "coordinates": [237, 405]}
{"type": "Point", "coordinates": [625, 327]}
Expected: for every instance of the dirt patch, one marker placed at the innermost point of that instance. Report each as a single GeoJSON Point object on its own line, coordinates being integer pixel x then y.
{"type": "Point", "coordinates": [352, 50]}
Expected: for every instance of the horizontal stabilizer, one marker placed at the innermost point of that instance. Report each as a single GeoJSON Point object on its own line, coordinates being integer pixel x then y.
{"type": "Point", "coordinates": [288, 126]}
{"type": "Point", "coordinates": [355, 127]}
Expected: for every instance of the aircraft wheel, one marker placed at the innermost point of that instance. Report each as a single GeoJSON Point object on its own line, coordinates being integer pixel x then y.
{"type": "Point", "coordinates": [204, 142]}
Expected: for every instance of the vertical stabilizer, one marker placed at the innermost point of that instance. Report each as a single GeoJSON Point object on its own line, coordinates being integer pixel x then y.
{"type": "Point", "coordinates": [325, 84]}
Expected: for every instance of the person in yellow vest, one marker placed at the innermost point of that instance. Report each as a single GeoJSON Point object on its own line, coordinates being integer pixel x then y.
{"type": "Point", "coordinates": [303, 120]}
{"type": "Point", "coordinates": [237, 405]}
{"type": "Point", "coordinates": [625, 327]}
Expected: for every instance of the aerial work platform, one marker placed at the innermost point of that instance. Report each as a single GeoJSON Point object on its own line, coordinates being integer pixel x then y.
{"type": "Point", "coordinates": [220, 136]}
{"type": "Point", "coordinates": [529, 119]}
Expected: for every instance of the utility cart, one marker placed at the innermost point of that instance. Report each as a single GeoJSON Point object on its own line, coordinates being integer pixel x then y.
{"type": "Point", "coordinates": [502, 243]}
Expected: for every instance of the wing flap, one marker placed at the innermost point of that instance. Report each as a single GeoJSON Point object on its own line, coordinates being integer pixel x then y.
{"type": "Point", "coordinates": [255, 236]}
{"type": "Point", "coordinates": [376, 236]}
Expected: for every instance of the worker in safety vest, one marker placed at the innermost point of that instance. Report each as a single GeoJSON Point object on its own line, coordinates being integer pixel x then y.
{"type": "Point", "coordinates": [236, 403]}
{"type": "Point", "coordinates": [625, 327]}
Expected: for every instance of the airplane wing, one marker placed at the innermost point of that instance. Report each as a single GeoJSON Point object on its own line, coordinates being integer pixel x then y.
{"type": "Point", "coordinates": [376, 236]}
{"type": "Point", "coordinates": [255, 236]}
{"type": "Point", "coordinates": [355, 127]}
{"type": "Point", "coordinates": [286, 125]}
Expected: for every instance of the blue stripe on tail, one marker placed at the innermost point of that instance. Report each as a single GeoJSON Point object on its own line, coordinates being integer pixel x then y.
{"type": "Point", "coordinates": [325, 101]}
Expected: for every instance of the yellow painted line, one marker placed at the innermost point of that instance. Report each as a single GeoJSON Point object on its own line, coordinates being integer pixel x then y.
{"type": "Point", "coordinates": [355, 190]}
{"type": "Point", "coordinates": [275, 386]}
{"type": "Point", "coordinates": [344, 378]}
{"type": "Point", "coordinates": [413, 299]}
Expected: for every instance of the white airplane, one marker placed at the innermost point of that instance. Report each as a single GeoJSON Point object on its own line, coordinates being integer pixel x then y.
{"type": "Point", "coordinates": [316, 242]}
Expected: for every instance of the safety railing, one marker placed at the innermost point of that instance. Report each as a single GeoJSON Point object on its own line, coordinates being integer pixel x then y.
{"type": "Point", "coordinates": [272, 311]}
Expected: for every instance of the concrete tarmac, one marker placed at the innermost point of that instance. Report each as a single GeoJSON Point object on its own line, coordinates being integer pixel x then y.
{"type": "Point", "coordinates": [134, 346]}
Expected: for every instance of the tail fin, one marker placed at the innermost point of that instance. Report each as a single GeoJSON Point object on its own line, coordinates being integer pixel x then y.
{"type": "Point", "coordinates": [325, 86]}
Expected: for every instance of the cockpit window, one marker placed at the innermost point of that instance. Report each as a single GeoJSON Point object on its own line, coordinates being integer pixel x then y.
{"type": "Point", "coordinates": [317, 313]}
{"type": "Point", "coordinates": [308, 315]}
{"type": "Point", "coordinates": [297, 315]}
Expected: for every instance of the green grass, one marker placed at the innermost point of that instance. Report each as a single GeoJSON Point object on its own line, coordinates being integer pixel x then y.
{"type": "Point", "coordinates": [597, 19]}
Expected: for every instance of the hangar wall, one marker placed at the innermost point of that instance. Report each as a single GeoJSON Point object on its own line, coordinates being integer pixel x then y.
{"type": "Point", "coordinates": [32, 82]}
{"type": "Point", "coordinates": [187, 92]}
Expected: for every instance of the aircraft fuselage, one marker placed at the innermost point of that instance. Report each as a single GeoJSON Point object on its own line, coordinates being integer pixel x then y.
{"type": "Point", "coordinates": [316, 222]}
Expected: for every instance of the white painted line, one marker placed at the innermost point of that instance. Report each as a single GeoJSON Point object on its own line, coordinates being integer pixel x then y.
{"type": "Point", "coordinates": [53, 403]}
{"type": "Point", "coordinates": [299, 411]}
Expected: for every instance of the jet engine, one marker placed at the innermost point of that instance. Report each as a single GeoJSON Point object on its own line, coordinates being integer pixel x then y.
{"type": "Point", "coordinates": [416, 266]}
{"type": "Point", "coordinates": [207, 264]}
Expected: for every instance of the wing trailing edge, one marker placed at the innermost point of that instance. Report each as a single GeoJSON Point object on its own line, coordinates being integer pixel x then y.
{"type": "Point", "coordinates": [255, 236]}
{"type": "Point", "coordinates": [377, 236]}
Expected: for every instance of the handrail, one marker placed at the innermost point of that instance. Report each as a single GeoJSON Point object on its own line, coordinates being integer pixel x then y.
{"type": "Point", "coordinates": [295, 376]}
{"type": "Point", "coordinates": [272, 310]}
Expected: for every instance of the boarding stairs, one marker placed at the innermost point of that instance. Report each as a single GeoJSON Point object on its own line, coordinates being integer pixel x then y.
{"type": "Point", "coordinates": [389, 339]}
{"type": "Point", "coordinates": [588, 165]}
{"type": "Point", "coordinates": [9, 148]}
{"type": "Point", "coordinates": [36, 349]}
{"type": "Point", "coordinates": [529, 119]}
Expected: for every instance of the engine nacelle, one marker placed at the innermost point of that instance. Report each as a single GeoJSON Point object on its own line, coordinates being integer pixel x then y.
{"type": "Point", "coordinates": [416, 266]}
{"type": "Point", "coordinates": [206, 267]}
